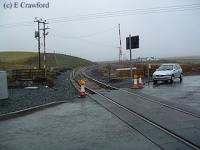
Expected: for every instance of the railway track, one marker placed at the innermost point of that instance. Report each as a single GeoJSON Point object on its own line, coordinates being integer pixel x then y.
{"type": "Point", "coordinates": [110, 103]}
{"type": "Point", "coordinates": [145, 98]}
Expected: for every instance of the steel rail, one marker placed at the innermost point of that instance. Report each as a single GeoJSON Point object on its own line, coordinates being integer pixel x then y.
{"type": "Point", "coordinates": [164, 104]}
{"type": "Point", "coordinates": [165, 130]}
{"type": "Point", "coordinates": [143, 97]}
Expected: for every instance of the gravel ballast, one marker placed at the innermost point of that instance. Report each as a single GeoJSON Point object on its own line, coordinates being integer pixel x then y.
{"type": "Point", "coordinates": [22, 98]}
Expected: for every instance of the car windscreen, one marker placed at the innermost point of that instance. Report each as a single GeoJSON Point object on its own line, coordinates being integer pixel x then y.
{"type": "Point", "coordinates": [165, 67]}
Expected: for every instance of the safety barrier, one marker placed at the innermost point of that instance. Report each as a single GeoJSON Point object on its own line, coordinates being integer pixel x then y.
{"type": "Point", "coordinates": [136, 82]}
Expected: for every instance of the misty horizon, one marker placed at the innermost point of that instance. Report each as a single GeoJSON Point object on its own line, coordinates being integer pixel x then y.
{"type": "Point", "coordinates": [90, 29]}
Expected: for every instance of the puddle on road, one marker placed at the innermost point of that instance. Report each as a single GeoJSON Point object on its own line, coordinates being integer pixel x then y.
{"type": "Point", "coordinates": [186, 93]}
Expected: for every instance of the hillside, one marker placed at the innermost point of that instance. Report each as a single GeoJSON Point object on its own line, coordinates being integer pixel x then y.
{"type": "Point", "coordinates": [18, 60]}
{"type": "Point", "coordinates": [183, 57]}
{"type": "Point", "coordinates": [182, 60]}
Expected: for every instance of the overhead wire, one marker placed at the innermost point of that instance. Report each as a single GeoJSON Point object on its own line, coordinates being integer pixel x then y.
{"type": "Point", "coordinates": [10, 25]}
{"type": "Point", "coordinates": [97, 33]}
{"type": "Point", "coordinates": [82, 39]}
{"type": "Point", "coordinates": [126, 13]}
{"type": "Point", "coordinates": [100, 15]}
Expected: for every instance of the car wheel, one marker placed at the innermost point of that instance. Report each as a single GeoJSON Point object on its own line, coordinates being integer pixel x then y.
{"type": "Point", "coordinates": [181, 78]}
{"type": "Point", "coordinates": [154, 82]}
{"type": "Point", "coordinates": [172, 79]}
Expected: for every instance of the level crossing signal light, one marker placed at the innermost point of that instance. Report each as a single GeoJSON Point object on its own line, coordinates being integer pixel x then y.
{"type": "Point", "coordinates": [134, 42]}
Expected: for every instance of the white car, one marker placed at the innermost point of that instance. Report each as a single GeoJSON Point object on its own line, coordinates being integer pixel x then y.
{"type": "Point", "coordinates": [168, 72]}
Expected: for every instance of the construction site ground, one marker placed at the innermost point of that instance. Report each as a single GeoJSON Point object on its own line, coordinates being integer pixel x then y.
{"type": "Point", "coordinates": [23, 98]}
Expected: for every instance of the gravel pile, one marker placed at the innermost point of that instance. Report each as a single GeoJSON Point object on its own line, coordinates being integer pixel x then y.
{"type": "Point", "coordinates": [25, 98]}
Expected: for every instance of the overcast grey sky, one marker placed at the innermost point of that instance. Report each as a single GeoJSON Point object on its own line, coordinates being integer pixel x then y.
{"type": "Point", "coordinates": [164, 31]}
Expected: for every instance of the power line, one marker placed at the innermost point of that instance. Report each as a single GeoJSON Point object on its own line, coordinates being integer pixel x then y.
{"type": "Point", "coordinates": [105, 31]}
{"type": "Point", "coordinates": [82, 39]}
{"type": "Point", "coordinates": [152, 10]}
{"type": "Point", "coordinates": [10, 25]}
{"type": "Point", "coordinates": [126, 13]}
{"type": "Point", "coordinates": [97, 33]}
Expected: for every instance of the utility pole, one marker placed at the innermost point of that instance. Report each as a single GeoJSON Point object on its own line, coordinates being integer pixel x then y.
{"type": "Point", "coordinates": [37, 35]}
{"type": "Point", "coordinates": [44, 38]}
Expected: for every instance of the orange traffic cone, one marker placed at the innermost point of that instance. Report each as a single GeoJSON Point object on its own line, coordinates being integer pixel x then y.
{"type": "Point", "coordinates": [140, 84]}
{"type": "Point", "coordinates": [135, 82]}
{"type": "Point", "coordinates": [82, 92]}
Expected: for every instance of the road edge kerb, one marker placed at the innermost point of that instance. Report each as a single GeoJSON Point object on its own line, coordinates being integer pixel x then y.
{"type": "Point", "coordinates": [29, 110]}
{"type": "Point", "coordinates": [23, 112]}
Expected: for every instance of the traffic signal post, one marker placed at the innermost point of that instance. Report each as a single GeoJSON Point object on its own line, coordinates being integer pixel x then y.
{"type": "Point", "coordinates": [131, 69]}
{"type": "Point", "coordinates": [132, 42]}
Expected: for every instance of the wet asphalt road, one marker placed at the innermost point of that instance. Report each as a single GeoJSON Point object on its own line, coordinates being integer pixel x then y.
{"type": "Point", "coordinates": [185, 94]}
{"type": "Point", "coordinates": [182, 124]}
{"type": "Point", "coordinates": [86, 125]}
{"type": "Point", "coordinates": [80, 125]}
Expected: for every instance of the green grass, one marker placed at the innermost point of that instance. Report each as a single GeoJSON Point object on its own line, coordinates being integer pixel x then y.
{"type": "Point", "coordinates": [19, 60]}
{"type": "Point", "coordinates": [19, 57]}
